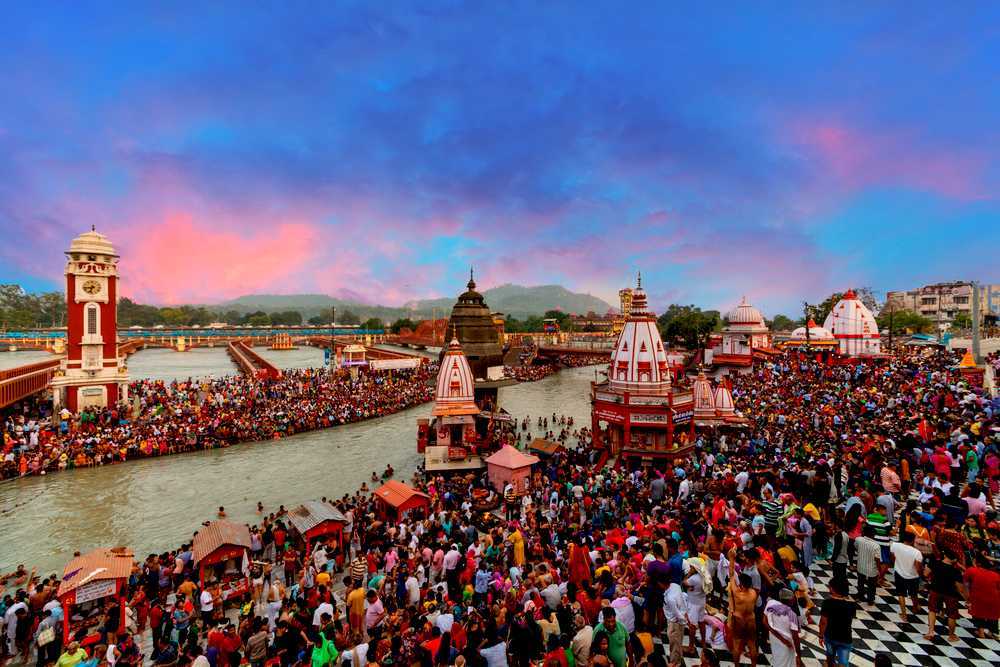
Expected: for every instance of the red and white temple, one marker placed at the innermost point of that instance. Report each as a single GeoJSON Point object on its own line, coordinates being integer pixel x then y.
{"type": "Point", "coordinates": [92, 374]}
{"type": "Point", "coordinates": [745, 334]}
{"type": "Point", "coordinates": [636, 410]}
{"type": "Point", "coordinates": [450, 440]}
{"type": "Point", "coordinates": [854, 327]}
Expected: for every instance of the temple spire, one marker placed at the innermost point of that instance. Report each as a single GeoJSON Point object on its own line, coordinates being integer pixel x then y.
{"type": "Point", "coordinates": [639, 280]}
{"type": "Point", "coordinates": [472, 281]}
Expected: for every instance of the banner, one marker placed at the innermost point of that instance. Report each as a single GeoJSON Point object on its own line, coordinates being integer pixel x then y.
{"type": "Point", "coordinates": [95, 590]}
{"type": "Point", "coordinates": [393, 364]}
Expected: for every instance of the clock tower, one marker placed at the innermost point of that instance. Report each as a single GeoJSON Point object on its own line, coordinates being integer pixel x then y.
{"type": "Point", "coordinates": [92, 374]}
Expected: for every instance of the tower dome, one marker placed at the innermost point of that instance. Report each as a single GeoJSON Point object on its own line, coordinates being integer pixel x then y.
{"type": "Point", "coordinates": [92, 243]}
{"type": "Point", "coordinates": [639, 360]}
{"type": "Point", "coordinates": [473, 325]}
{"type": "Point", "coordinates": [455, 393]}
{"type": "Point", "coordinates": [854, 327]}
{"type": "Point", "coordinates": [745, 317]}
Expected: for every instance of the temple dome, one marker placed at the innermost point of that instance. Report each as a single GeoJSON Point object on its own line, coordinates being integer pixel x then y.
{"type": "Point", "coordinates": [639, 360]}
{"type": "Point", "coordinates": [724, 405]}
{"type": "Point", "coordinates": [455, 393]}
{"type": "Point", "coordinates": [92, 243]}
{"type": "Point", "coordinates": [854, 327]}
{"type": "Point", "coordinates": [704, 397]}
{"type": "Point", "coordinates": [816, 332]}
{"type": "Point", "coordinates": [745, 315]}
{"type": "Point", "coordinates": [472, 322]}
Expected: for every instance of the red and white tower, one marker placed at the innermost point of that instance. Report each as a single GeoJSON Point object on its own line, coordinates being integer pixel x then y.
{"type": "Point", "coordinates": [92, 374]}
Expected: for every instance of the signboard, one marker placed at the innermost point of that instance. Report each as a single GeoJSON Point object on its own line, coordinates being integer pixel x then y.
{"type": "Point", "coordinates": [497, 416]}
{"type": "Point", "coordinates": [95, 590]}
{"type": "Point", "coordinates": [683, 416]}
{"type": "Point", "coordinates": [326, 356]}
{"type": "Point", "coordinates": [608, 415]}
{"type": "Point", "coordinates": [494, 373]}
{"type": "Point", "coordinates": [605, 396]}
{"type": "Point", "coordinates": [649, 419]}
{"type": "Point", "coordinates": [647, 400]}
{"type": "Point", "coordinates": [393, 364]}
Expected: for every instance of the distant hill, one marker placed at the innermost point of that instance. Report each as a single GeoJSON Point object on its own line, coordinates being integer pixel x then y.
{"type": "Point", "coordinates": [515, 300]}
{"type": "Point", "coordinates": [521, 301]}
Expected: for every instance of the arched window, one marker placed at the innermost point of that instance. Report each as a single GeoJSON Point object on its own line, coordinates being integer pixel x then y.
{"type": "Point", "coordinates": [93, 320]}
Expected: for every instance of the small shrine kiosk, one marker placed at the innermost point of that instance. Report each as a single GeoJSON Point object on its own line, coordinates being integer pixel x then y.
{"type": "Point", "coordinates": [396, 500]}
{"type": "Point", "coordinates": [315, 520]}
{"type": "Point", "coordinates": [510, 465]}
{"type": "Point", "coordinates": [219, 550]}
{"type": "Point", "coordinates": [87, 582]}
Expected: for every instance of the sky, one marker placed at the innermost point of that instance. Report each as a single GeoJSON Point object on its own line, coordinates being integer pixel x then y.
{"type": "Point", "coordinates": [780, 151]}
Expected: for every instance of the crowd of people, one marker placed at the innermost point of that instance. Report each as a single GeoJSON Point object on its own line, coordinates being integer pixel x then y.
{"type": "Point", "coordinates": [877, 476]}
{"type": "Point", "coordinates": [170, 417]}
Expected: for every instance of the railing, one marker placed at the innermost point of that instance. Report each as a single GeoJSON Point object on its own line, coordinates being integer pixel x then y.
{"type": "Point", "coordinates": [23, 381]}
{"type": "Point", "coordinates": [250, 363]}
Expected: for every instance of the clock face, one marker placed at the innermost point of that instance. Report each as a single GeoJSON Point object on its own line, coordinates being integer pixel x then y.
{"type": "Point", "coordinates": [91, 287]}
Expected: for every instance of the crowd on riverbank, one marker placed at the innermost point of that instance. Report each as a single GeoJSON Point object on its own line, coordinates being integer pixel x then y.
{"type": "Point", "coordinates": [165, 418]}
{"type": "Point", "coordinates": [875, 477]}
{"type": "Point", "coordinates": [534, 372]}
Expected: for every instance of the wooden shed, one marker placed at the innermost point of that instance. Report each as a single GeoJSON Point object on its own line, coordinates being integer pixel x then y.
{"type": "Point", "coordinates": [396, 499]}
{"type": "Point", "coordinates": [218, 544]}
{"type": "Point", "coordinates": [314, 520]}
{"type": "Point", "coordinates": [87, 579]}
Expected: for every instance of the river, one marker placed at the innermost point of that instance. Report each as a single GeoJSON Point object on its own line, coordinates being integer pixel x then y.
{"type": "Point", "coordinates": [152, 505]}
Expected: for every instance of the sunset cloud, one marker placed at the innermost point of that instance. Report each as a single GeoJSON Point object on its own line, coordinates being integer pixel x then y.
{"type": "Point", "coordinates": [378, 152]}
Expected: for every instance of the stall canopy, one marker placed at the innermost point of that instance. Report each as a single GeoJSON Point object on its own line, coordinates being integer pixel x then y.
{"type": "Point", "coordinates": [545, 447]}
{"type": "Point", "coordinates": [88, 576]}
{"type": "Point", "coordinates": [98, 574]}
{"type": "Point", "coordinates": [315, 518]}
{"type": "Point", "coordinates": [219, 541]}
{"type": "Point", "coordinates": [401, 497]}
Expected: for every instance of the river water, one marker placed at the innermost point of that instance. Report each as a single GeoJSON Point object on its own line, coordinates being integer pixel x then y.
{"type": "Point", "coordinates": [152, 505]}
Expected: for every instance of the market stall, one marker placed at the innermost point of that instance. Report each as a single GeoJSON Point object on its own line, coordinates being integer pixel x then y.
{"type": "Point", "coordinates": [315, 520]}
{"type": "Point", "coordinates": [397, 499]}
{"type": "Point", "coordinates": [221, 551]}
{"type": "Point", "coordinates": [89, 583]}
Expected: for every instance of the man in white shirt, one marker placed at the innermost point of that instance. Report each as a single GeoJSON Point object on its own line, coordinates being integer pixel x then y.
{"type": "Point", "coordinates": [783, 624]}
{"type": "Point", "coordinates": [206, 607]}
{"type": "Point", "coordinates": [675, 610]}
{"type": "Point", "coordinates": [908, 564]}
{"type": "Point", "coordinates": [581, 640]}
{"type": "Point", "coordinates": [412, 586]}
{"type": "Point", "coordinates": [323, 608]}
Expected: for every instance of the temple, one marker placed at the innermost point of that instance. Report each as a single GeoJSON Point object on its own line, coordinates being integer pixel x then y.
{"type": "Point", "coordinates": [854, 327]}
{"type": "Point", "coordinates": [473, 325]}
{"type": "Point", "coordinates": [450, 440]}
{"type": "Point", "coordinates": [744, 335]}
{"type": "Point", "coordinates": [635, 411]}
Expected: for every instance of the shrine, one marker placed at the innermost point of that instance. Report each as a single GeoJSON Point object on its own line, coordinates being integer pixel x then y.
{"type": "Point", "coordinates": [636, 410]}
{"type": "Point", "coordinates": [744, 336]}
{"type": "Point", "coordinates": [472, 323]}
{"type": "Point", "coordinates": [813, 340]}
{"type": "Point", "coordinates": [854, 327]}
{"type": "Point", "coordinates": [92, 374]}
{"type": "Point", "coordinates": [450, 440]}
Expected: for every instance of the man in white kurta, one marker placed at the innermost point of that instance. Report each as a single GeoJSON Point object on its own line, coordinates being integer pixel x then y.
{"type": "Point", "coordinates": [782, 622]}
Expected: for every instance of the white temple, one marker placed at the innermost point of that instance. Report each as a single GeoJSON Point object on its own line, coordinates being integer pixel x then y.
{"type": "Point", "coordinates": [639, 360]}
{"type": "Point", "coordinates": [854, 327]}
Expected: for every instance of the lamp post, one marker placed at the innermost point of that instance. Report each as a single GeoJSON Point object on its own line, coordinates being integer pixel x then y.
{"type": "Point", "coordinates": [807, 310]}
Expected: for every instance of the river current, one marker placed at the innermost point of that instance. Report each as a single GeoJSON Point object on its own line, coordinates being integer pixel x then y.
{"type": "Point", "coordinates": [152, 505]}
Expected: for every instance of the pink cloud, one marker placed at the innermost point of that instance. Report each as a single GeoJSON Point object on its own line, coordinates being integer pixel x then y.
{"type": "Point", "coordinates": [180, 261]}
{"type": "Point", "coordinates": [857, 159]}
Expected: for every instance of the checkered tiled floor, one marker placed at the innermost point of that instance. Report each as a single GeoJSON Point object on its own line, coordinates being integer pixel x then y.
{"type": "Point", "coordinates": [878, 628]}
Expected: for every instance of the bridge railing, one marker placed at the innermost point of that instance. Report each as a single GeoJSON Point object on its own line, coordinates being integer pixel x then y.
{"type": "Point", "coordinates": [250, 363]}
{"type": "Point", "coordinates": [23, 381]}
